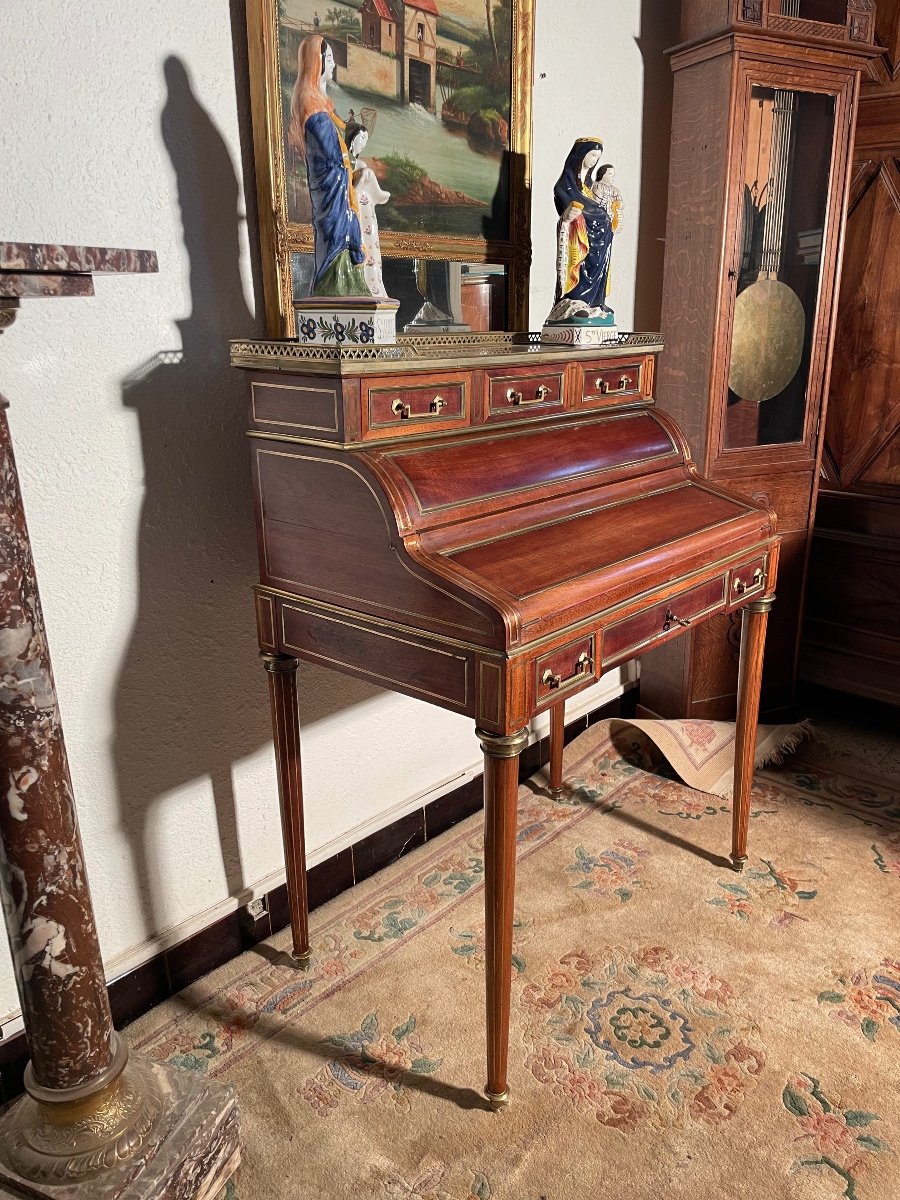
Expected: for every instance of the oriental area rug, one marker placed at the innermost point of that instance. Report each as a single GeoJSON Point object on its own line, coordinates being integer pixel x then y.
{"type": "Point", "coordinates": [678, 1030]}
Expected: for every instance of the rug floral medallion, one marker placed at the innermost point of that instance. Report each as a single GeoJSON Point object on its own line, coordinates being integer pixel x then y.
{"type": "Point", "coordinates": [677, 1030]}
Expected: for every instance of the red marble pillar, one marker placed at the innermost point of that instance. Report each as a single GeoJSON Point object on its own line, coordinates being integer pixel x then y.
{"type": "Point", "coordinates": [50, 922]}
{"type": "Point", "coordinates": [96, 1124]}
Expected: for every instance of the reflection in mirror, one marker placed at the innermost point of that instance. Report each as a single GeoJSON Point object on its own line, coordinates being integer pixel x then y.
{"type": "Point", "coordinates": [472, 295]}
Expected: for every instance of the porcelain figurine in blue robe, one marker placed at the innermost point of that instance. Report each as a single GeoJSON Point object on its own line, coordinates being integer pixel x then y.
{"type": "Point", "coordinates": [589, 207]}
{"type": "Point", "coordinates": [317, 131]}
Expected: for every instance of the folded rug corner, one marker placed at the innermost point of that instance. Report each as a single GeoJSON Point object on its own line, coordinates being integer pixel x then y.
{"type": "Point", "coordinates": [702, 752]}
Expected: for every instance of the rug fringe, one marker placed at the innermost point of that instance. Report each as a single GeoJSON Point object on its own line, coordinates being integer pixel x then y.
{"type": "Point", "coordinates": [786, 747]}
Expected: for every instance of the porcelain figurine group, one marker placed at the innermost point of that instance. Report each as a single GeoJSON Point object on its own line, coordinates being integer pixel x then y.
{"type": "Point", "coordinates": [590, 208]}
{"type": "Point", "coordinates": [349, 301]}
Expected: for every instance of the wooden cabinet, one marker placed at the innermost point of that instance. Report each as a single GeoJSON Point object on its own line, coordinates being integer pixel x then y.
{"type": "Point", "coordinates": [851, 636]}
{"type": "Point", "coordinates": [765, 96]}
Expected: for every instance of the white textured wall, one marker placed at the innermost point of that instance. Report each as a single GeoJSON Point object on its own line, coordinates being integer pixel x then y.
{"type": "Point", "coordinates": [123, 125]}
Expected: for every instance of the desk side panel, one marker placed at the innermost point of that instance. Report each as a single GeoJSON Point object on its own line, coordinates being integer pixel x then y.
{"type": "Point", "coordinates": [328, 531]}
{"type": "Point", "coordinates": [442, 675]}
{"type": "Point", "coordinates": [320, 407]}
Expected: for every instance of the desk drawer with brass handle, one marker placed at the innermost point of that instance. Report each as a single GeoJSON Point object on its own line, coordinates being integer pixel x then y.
{"type": "Point", "coordinates": [605, 383]}
{"type": "Point", "coordinates": [564, 669]}
{"type": "Point", "coordinates": [749, 579]}
{"type": "Point", "coordinates": [523, 393]}
{"type": "Point", "coordinates": [661, 620]}
{"type": "Point", "coordinates": [394, 410]}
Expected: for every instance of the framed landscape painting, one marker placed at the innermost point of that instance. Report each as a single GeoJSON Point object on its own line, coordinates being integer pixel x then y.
{"type": "Point", "coordinates": [444, 89]}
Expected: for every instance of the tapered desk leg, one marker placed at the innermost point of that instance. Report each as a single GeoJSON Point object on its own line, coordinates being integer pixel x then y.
{"type": "Point", "coordinates": [282, 672]}
{"type": "Point", "coordinates": [753, 640]}
{"type": "Point", "coordinates": [501, 788]}
{"type": "Point", "coordinates": [557, 730]}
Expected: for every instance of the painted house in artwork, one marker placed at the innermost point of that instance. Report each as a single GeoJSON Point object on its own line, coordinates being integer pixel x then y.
{"type": "Point", "coordinates": [419, 58]}
{"type": "Point", "coordinates": [379, 26]}
{"type": "Point", "coordinates": [396, 55]}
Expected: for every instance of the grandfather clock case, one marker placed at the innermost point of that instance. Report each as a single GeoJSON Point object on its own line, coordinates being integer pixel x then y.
{"type": "Point", "coordinates": [764, 104]}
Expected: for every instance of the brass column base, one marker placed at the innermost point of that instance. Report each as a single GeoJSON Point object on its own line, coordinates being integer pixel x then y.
{"type": "Point", "coordinates": [738, 861]}
{"type": "Point", "coordinates": [153, 1133]}
{"type": "Point", "coordinates": [498, 1100]}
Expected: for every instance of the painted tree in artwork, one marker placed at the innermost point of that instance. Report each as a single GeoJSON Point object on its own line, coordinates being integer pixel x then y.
{"type": "Point", "coordinates": [490, 28]}
{"type": "Point", "coordinates": [480, 99]}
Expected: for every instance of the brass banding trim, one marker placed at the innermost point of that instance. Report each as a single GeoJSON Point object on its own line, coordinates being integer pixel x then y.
{"type": "Point", "coordinates": [367, 619]}
{"type": "Point", "coordinates": [75, 1097]}
{"type": "Point", "coordinates": [590, 624]}
{"type": "Point", "coordinates": [379, 443]}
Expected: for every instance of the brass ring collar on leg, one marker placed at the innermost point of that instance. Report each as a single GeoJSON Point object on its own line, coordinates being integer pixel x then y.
{"type": "Point", "coordinates": [761, 606]}
{"type": "Point", "coordinates": [502, 746]}
{"type": "Point", "coordinates": [277, 664]}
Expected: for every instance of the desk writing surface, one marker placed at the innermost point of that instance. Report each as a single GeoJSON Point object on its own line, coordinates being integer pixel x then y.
{"type": "Point", "coordinates": [609, 548]}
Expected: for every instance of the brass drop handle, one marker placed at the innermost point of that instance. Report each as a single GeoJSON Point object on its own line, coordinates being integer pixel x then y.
{"type": "Point", "coordinates": [404, 412]}
{"type": "Point", "coordinates": [541, 393]}
{"type": "Point", "coordinates": [603, 384]}
{"type": "Point", "coordinates": [585, 664]}
{"type": "Point", "coordinates": [739, 586]}
{"type": "Point", "coordinates": [672, 619]}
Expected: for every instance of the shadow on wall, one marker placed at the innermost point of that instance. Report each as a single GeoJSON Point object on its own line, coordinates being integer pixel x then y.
{"type": "Point", "coordinates": [659, 30]}
{"type": "Point", "coordinates": [191, 697]}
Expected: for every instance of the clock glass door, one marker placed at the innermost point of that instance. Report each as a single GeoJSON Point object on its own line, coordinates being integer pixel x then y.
{"type": "Point", "coordinates": [788, 153]}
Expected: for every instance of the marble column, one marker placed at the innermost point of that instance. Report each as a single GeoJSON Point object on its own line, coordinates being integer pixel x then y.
{"type": "Point", "coordinates": [96, 1122]}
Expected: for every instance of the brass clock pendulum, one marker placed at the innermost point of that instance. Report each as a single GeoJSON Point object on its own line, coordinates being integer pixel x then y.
{"type": "Point", "coordinates": [769, 323]}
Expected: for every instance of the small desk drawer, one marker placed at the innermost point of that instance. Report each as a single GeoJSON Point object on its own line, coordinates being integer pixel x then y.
{"type": "Point", "coordinates": [749, 579]}
{"type": "Point", "coordinates": [602, 381]}
{"type": "Point", "coordinates": [524, 394]}
{"type": "Point", "coordinates": [435, 404]}
{"type": "Point", "coordinates": [565, 668]}
{"type": "Point", "coordinates": [661, 621]}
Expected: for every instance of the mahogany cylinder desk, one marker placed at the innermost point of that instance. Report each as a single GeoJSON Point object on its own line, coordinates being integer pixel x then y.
{"type": "Point", "coordinates": [487, 524]}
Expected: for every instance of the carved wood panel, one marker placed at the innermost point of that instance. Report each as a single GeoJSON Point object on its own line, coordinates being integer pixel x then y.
{"type": "Point", "coordinates": [864, 406]}
{"type": "Point", "coordinates": [851, 636]}
{"type": "Point", "coordinates": [887, 33]}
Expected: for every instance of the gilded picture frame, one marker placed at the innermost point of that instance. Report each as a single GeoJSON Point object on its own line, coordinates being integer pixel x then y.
{"type": "Point", "coordinates": [432, 70]}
